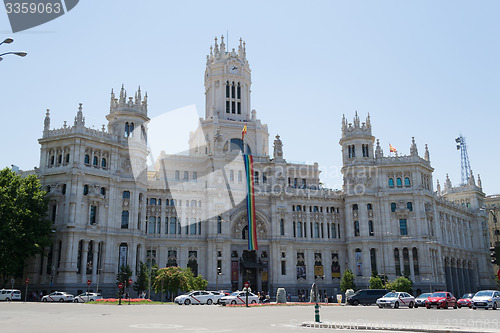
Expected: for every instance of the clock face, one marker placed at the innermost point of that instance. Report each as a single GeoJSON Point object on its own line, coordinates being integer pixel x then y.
{"type": "Point", "coordinates": [233, 69]}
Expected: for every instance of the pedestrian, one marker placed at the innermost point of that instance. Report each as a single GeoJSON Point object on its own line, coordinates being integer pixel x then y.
{"type": "Point", "coordinates": [41, 295]}
{"type": "Point", "coordinates": [326, 297]}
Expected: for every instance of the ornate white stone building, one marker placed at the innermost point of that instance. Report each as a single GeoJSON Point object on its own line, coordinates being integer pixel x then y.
{"type": "Point", "coordinates": [109, 209]}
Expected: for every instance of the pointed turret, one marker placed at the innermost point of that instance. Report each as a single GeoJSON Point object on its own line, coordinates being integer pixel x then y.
{"type": "Point", "coordinates": [479, 182]}
{"type": "Point", "coordinates": [123, 95]}
{"type": "Point", "coordinates": [413, 147]}
{"type": "Point", "coordinates": [447, 184]}
{"type": "Point", "coordinates": [222, 45]}
{"type": "Point", "coordinates": [438, 186]}
{"type": "Point", "coordinates": [471, 180]}
{"type": "Point", "coordinates": [79, 119]}
{"type": "Point", "coordinates": [427, 155]}
{"type": "Point", "coordinates": [379, 153]}
{"type": "Point", "coordinates": [46, 122]}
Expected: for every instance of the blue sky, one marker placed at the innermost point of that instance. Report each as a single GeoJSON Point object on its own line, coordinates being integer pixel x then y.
{"type": "Point", "coordinates": [427, 69]}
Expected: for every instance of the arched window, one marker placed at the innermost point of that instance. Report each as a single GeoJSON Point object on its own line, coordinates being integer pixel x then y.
{"type": "Point", "coordinates": [359, 262]}
{"type": "Point", "coordinates": [186, 176]}
{"type": "Point", "coordinates": [59, 159]}
{"type": "Point", "coordinates": [396, 262]}
{"type": "Point", "coordinates": [373, 259]}
{"type": "Point", "coordinates": [103, 163]}
{"type": "Point", "coordinates": [131, 132]}
{"type": "Point", "coordinates": [398, 182]}
{"type": "Point", "coordinates": [67, 158]}
{"type": "Point", "coordinates": [85, 189]}
{"type": "Point", "coordinates": [409, 205]}
{"type": "Point", "coordinates": [407, 182]}
{"type": "Point", "coordinates": [391, 182]}
{"type": "Point", "coordinates": [227, 89]}
{"type": "Point", "coordinates": [95, 161]}
{"type": "Point", "coordinates": [126, 195]}
{"type": "Point", "coordinates": [238, 95]}
{"type": "Point", "coordinates": [244, 233]}
{"type": "Point", "coordinates": [87, 159]}
{"type": "Point", "coordinates": [152, 201]}
{"type": "Point", "coordinates": [393, 207]}
{"type": "Point", "coordinates": [356, 228]}
{"type": "Point", "coordinates": [370, 228]}
{"type": "Point", "coordinates": [406, 262]}
{"type": "Point", "coordinates": [177, 175]}
{"type": "Point", "coordinates": [299, 208]}
{"type": "Point", "coordinates": [103, 190]}
{"type": "Point", "coordinates": [219, 225]}
{"type": "Point", "coordinates": [233, 94]}
{"type": "Point", "coordinates": [126, 132]}
{"type": "Point", "coordinates": [159, 202]}
{"type": "Point", "coordinates": [369, 206]}
{"type": "Point", "coordinates": [355, 207]}
{"type": "Point", "coordinates": [416, 269]}
{"type": "Point", "coordinates": [125, 218]}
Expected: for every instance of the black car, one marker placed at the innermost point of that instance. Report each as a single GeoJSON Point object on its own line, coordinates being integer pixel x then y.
{"type": "Point", "coordinates": [366, 296]}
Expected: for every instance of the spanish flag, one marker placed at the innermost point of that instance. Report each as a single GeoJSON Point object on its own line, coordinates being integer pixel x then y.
{"type": "Point", "coordinates": [243, 132]}
{"type": "Point", "coordinates": [392, 149]}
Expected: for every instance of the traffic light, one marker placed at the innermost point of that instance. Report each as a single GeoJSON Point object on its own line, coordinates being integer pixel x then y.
{"type": "Point", "coordinates": [495, 255]}
{"type": "Point", "coordinates": [219, 270]}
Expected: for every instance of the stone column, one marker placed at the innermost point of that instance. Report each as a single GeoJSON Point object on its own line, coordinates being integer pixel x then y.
{"type": "Point", "coordinates": [83, 262]}
{"type": "Point", "coordinates": [412, 267]}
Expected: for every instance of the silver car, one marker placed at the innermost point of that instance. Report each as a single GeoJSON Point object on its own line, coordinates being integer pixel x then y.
{"type": "Point", "coordinates": [87, 297]}
{"type": "Point", "coordinates": [486, 299]}
{"type": "Point", "coordinates": [58, 296]}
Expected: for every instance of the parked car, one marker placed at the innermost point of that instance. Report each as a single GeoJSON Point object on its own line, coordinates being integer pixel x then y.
{"type": "Point", "coordinates": [395, 300]}
{"type": "Point", "coordinates": [87, 297]}
{"type": "Point", "coordinates": [10, 295]}
{"type": "Point", "coordinates": [195, 297]}
{"type": "Point", "coordinates": [366, 296]}
{"type": "Point", "coordinates": [441, 299]}
{"type": "Point", "coordinates": [466, 300]}
{"type": "Point", "coordinates": [58, 296]}
{"type": "Point", "coordinates": [420, 299]}
{"type": "Point", "coordinates": [239, 297]}
{"type": "Point", "coordinates": [486, 299]}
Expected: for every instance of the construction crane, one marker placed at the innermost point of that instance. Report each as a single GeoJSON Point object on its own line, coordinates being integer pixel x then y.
{"type": "Point", "coordinates": [466, 171]}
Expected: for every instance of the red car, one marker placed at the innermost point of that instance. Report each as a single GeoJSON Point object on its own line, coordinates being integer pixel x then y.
{"type": "Point", "coordinates": [466, 300]}
{"type": "Point", "coordinates": [441, 299]}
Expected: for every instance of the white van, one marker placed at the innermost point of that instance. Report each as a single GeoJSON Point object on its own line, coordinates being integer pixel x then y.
{"type": "Point", "coordinates": [10, 295]}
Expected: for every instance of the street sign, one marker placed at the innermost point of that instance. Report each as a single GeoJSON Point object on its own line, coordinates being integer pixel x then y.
{"type": "Point", "coordinates": [246, 284]}
{"type": "Point", "coordinates": [89, 282]}
{"type": "Point", "coordinates": [27, 280]}
{"type": "Point", "coordinates": [120, 285]}
{"type": "Point", "coordinates": [129, 282]}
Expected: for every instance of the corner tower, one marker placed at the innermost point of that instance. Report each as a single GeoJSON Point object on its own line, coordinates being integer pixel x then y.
{"type": "Point", "coordinates": [357, 142]}
{"type": "Point", "coordinates": [227, 83]}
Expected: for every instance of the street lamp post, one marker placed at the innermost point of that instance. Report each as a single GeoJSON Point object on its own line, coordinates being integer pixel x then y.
{"type": "Point", "coordinates": [17, 53]}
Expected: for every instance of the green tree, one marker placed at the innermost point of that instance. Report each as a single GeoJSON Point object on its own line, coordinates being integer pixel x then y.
{"type": "Point", "coordinates": [25, 230]}
{"type": "Point", "coordinates": [175, 278]}
{"type": "Point", "coordinates": [123, 276]}
{"type": "Point", "coordinates": [347, 281]}
{"type": "Point", "coordinates": [142, 282]}
{"type": "Point", "coordinates": [401, 284]}
{"type": "Point", "coordinates": [376, 283]}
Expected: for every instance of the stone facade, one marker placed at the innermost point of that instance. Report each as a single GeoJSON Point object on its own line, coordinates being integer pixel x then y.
{"type": "Point", "coordinates": [109, 208]}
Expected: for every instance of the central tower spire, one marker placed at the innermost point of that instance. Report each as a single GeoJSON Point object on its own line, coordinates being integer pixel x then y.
{"type": "Point", "coordinates": [227, 83]}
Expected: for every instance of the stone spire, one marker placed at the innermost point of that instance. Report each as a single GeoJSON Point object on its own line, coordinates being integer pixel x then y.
{"type": "Point", "coordinates": [138, 96]}
{"type": "Point", "coordinates": [379, 153]}
{"type": "Point", "coordinates": [46, 122]}
{"type": "Point", "coordinates": [79, 119]}
{"type": "Point", "coordinates": [438, 186]}
{"type": "Point", "coordinates": [413, 147]}
{"type": "Point", "coordinates": [368, 122]}
{"type": "Point", "coordinates": [479, 182]}
{"type": "Point", "coordinates": [123, 95]}
{"type": "Point", "coordinates": [447, 184]}
{"type": "Point", "coordinates": [471, 180]}
{"type": "Point", "coordinates": [427, 155]}
{"type": "Point", "coordinates": [222, 45]}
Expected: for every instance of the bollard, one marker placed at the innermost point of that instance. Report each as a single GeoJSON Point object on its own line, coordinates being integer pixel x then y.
{"type": "Point", "coordinates": [316, 313]}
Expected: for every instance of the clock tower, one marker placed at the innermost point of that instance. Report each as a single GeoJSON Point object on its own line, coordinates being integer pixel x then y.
{"type": "Point", "coordinates": [227, 83]}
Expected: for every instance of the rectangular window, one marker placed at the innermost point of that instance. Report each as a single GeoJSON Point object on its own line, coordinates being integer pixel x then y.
{"type": "Point", "coordinates": [334, 230]}
{"type": "Point", "coordinates": [219, 225]}
{"type": "Point", "coordinates": [192, 227]}
{"type": "Point", "coordinates": [227, 107]}
{"type": "Point", "coordinates": [316, 230]}
{"type": "Point", "coordinates": [233, 107]}
{"type": "Point", "coordinates": [239, 107]}
{"type": "Point", "coordinates": [283, 267]}
{"type": "Point", "coordinates": [173, 224]}
{"type": "Point", "coordinates": [403, 227]}
{"type": "Point", "coordinates": [282, 227]}
{"type": "Point", "coordinates": [125, 218]}
{"type": "Point", "coordinates": [93, 215]}
{"type": "Point", "coordinates": [166, 225]}
{"type": "Point", "coordinates": [299, 229]}
{"type": "Point", "coordinates": [151, 225]}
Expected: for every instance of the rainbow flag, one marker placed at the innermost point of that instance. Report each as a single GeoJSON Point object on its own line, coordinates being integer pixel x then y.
{"type": "Point", "coordinates": [252, 221]}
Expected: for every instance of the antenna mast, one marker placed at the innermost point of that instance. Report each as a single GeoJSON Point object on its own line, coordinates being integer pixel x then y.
{"type": "Point", "coordinates": [462, 146]}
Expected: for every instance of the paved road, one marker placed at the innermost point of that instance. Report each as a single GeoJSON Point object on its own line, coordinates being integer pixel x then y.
{"type": "Point", "coordinates": [74, 318]}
